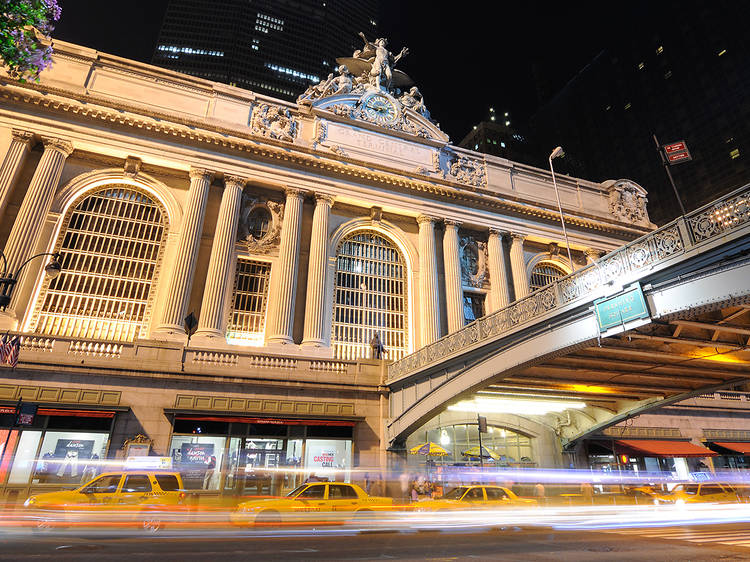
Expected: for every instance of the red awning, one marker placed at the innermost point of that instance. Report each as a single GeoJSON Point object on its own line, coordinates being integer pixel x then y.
{"type": "Point", "coordinates": [655, 448]}
{"type": "Point", "coordinates": [742, 448]}
{"type": "Point", "coordinates": [75, 413]}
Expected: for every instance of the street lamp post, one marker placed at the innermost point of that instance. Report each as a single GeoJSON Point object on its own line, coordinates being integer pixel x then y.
{"type": "Point", "coordinates": [8, 280]}
{"type": "Point", "coordinates": [555, 153]}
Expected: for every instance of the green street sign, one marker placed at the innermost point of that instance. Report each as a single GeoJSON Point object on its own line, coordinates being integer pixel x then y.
{"type": "Point", "coordinates": [619, 309]}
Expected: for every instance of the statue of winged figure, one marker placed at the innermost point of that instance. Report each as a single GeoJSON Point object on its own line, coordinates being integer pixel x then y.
{"type": "Point", "coordinates": [377, 64]}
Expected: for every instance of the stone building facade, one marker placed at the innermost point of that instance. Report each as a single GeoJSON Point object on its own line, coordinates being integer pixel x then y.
{"type": "Point", "coordinates": [294, 233]}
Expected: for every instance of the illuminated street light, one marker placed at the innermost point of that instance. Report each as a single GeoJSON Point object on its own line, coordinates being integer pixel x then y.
{"type": "Point", "coordinates": [555, 153]}
{"type": "Point", "coordinates": [8, 281]}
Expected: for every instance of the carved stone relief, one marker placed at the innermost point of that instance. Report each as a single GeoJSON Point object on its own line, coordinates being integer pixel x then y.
{"type": "Point", "coordinates": [464, 169]}
{"type": "Point", "coordinates": [260, 224]}
{"type": "Point", "coordinates": [473, 261]}
{"type": "Point", "coordinates": [627, 201]}
{"type": "Point", "coordinates": [273, 122]}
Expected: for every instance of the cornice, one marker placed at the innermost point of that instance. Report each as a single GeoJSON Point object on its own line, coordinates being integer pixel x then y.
{"type": "Point", "coordinates": [168, 124]}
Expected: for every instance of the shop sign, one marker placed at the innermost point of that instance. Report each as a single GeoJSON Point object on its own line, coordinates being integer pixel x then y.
{"type": "Point", "coordinates": [26, 414]}
{"type": "Point", "coordinates": [619, 309]}
{"type": "Point", "coordinates": [144, 463]}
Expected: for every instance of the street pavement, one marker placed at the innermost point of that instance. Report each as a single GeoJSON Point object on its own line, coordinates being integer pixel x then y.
{"type": "Point", "coordinates": [688, 543]}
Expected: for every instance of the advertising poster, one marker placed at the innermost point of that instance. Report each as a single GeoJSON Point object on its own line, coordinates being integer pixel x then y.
{"type": "Point", "coordinates": [327, 458]}
{"type": "Point", "coordinates": [194, 459]}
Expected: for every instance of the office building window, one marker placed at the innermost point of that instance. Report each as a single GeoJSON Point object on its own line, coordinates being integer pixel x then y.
{"type": "Point", "coordinates": [247, 322]}
{"type": "Point", "coordinates": [370, 297]}
{"type": "Point", "coordinates": [111, 245]}
{"type": "Point", "coordinates": [544, 274]}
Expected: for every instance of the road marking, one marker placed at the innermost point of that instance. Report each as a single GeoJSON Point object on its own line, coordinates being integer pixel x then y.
{"type": "Point", "coordinates": [729, 538]}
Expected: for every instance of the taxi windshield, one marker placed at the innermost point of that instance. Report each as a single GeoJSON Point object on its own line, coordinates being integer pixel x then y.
{"type": "Point", "coordinates": [296, 491]}
{"type": "Point", "coordinates": [455, 493]}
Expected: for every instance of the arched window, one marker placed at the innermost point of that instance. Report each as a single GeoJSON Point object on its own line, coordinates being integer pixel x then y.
{"type": "Point", "coordinates": [111, 244]}
{"type": "Point", "coordinates": [371, 297]}
{"type": "Point", "coordinates": [544, 274]}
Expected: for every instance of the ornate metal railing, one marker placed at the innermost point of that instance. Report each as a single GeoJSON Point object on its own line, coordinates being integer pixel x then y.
{"type": "Point", "coordinates": [710, 221]}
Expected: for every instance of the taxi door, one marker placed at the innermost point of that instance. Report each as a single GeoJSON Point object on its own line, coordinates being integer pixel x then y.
{"type": "Point", "coordinates": [103, 490]}
{"type": "Point", "coordinates": [496, 497]}
{"type": "Point", "coordinates": [136, 489]}
{"type": "Point", "coordinates": [473, 498]}
{"type": "Point", "coordinates": [342, 497]}
{"type": "Point", "coordinates": [312, 499]}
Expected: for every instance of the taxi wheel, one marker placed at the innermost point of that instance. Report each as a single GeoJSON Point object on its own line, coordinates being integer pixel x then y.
{"type": "Point", "coordinates": [151, 522]}
{"type": "Point", "coordinates": [42, 526]}
{"type": "Point", "coordinates": [268, 517]}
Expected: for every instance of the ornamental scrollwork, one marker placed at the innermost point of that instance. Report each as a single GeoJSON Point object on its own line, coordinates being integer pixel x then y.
{"type": "Point", "coordinates": [473, 255]}
{"type": "Point", "coordinates": [260, 223]}
{"type": "Point", "coordinates": [273, 122]}
{"type": "Point", "coordinates": [465, 169]}
{"type": "Point", "coordinates": [627, 202]}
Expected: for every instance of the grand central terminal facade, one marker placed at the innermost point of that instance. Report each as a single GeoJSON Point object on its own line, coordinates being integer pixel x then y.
{"type": "Point", "coordinates": [293, 233]}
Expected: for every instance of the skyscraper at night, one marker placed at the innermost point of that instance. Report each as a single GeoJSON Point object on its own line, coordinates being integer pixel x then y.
{"type": "Point", "coordinates": [271, 47]}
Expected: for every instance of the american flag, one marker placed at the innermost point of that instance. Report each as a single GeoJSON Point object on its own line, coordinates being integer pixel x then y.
{"type": "Point", "coordinates": [4, 349]}
{"type": "Point", "coordinates": [12, 349]}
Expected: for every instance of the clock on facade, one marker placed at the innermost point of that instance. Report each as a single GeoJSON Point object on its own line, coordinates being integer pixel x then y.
{"type": "Point", "coordinates": [380, 108]}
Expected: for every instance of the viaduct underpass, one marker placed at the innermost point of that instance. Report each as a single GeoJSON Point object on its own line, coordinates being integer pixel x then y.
{"type": "Point", "coordinates": [692, 279]}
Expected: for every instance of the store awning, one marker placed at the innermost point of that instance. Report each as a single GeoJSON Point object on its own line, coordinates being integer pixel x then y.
{"type": "Point", "coordinates": [656, 448]}
{"type": "Point", "coordinates": [741, 448]}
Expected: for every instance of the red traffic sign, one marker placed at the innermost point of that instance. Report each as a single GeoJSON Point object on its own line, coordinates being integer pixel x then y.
{"type": "Point", "coordinates": [677, 152]}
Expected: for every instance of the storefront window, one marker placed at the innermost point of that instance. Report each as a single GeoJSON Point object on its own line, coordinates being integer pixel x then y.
{"type": "Point", "coordinates": [25, 457]}
{"type": "Point", "coordinates": [199, 459]}
{"type": "Point", "coordinates": [68, 457]}
{"type": "Point", "coordinates": [507, 448]}
{"type": "Point", "coordinates": [328, 458]}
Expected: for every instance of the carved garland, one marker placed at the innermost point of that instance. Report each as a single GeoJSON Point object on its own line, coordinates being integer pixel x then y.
{"type": "Point", "coordinates": [271, 239]}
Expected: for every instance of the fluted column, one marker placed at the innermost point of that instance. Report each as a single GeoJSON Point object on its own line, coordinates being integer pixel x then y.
{"type": "Point", "coordinates": [315, 333]}
{"type": "Point", "coordinates": [212, 322]}
{"type": "Point", "coordinates": [20, 145]}
{"type": "Point", "coordinates": [454, 295]}
{"type": "Point", "coordinates": [499, 294]}
{"type": "Point", "coordinates": [180, 282]}
{"type": "Point", "coordinates": [27, 227]}
{"type": "Point", "coordinates": [280, 322]}
{"type": "Point", "coordinates": [592, 255]}
{"type": "Point", "coordinates": [428, 281]}
{"type": "Point", "coordinates": [518, 266]}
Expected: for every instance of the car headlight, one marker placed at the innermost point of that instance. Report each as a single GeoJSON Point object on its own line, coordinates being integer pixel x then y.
{"type": "Point", "coordinates": [29, 502]}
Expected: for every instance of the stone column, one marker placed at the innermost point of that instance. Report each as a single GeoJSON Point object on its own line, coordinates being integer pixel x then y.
{"type": "Point", "coordinates": [280, 321]}
{"type": "Point", "coordinates": [315, 332]}
{"type": "Point", "coordinates": [592, 255]}
{"type": "Point", "coordinates": [499, 294]}
{"type": "Point", "coordinates": [19, 147]}
{"type": "Point", "coordinates": [27, 227]}
{"type": "Point", "coordinates": [428, 281]}
{"type": "Point", "coordinates": [182, 271]}
{"type": "Point", "coordinates": [518, 266]}
{"type": "Point", "coordinates": [454, 294]}
{"type": "Point", "coordinates": [212, 321]}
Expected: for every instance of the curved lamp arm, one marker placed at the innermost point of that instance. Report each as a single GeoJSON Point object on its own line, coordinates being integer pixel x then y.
{"type": "Point", "coordinates": [56, 255]}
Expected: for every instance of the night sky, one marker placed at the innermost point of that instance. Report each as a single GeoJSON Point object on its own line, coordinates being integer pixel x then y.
{"type": "Point", "coordinates": [464, 59]}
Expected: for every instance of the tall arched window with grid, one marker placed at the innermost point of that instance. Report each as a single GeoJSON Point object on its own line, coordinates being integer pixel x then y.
{"type": "Point", "coordinates": [544, 274]}
{"type": "Point", "coordinates": [370, 297]}
{"type": "Point", "coordinates": [111, 244]}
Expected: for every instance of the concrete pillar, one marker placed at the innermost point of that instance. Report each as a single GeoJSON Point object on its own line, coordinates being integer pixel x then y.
{"type": "Point", "coordinates": [182, 270]}
{"type": "Point", "coordinates": [315, 334]}
{"type": "Point", "coordinates": [428, 281]}
{"type": "Point", "coordinates": [454, 294]}
{"type": "Point", "coordinates": [284, 275]}
{"type": "Point", "coordinates": [518, 266]}
{"type": "Point", "coordinates": [20, 145]}
{"type": "Point", "coordinates": [27, 227]}
{"type": "Point", "coordinates": [499, 294]}
{"type": "Point", "coordinates": [212, 321]}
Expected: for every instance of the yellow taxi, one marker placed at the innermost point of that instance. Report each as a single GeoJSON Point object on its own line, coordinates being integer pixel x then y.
{"type": "Point", "coordinates": [698, 492]}
{"type": "Point", "coordinates": [145, 493]}
{"type": "Point", "coordinates": [311, 501]}
{"type": "Point", "coordinates": [474, 497]}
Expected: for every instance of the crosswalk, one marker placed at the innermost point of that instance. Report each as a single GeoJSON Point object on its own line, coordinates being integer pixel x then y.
{"type": "Point", "coordinates": [733, 537]}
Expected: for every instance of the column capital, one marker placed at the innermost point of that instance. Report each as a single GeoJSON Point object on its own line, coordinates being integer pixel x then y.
{"type": "Point", "coordinates": [324, 199]}
{"type": "Point", "coordinates": [422, 219]}
{"type": "Point", "coordinates": [293, 192]}
{"type": "Point", "coordinates": [22, 136]}
{"type": "Point", "coordinates": [494, 231]}
{"type": "Point", "coordinates": [60, 145]}
{"type": "Point", "coordinates": [516, 236]}
{"type": "Point", "coordinates": [199, 173]}
{"type": "Point", "coordinates": [452, 223]}
{"type": "Point", "coordinates": [593, 254]}
{"type": "Point", "coordinates": [234, 181]}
